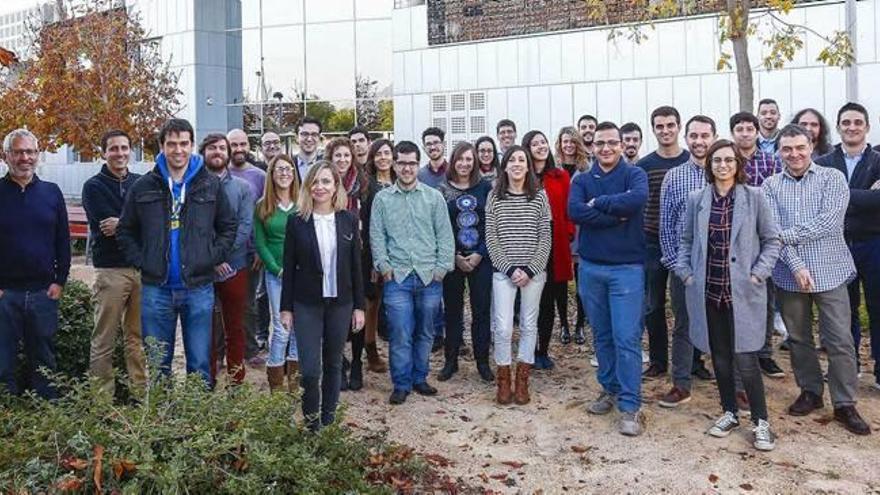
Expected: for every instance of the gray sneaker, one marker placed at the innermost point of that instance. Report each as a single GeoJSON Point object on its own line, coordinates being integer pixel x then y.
{"type": "Point", "coordinates": [764, 438]}
{"type": "Point", "coordinates": [631, 423]}
{"type": "Point", "coordinates": [724, 425]}
{"type": "Point", "coordinates": [603, 404]}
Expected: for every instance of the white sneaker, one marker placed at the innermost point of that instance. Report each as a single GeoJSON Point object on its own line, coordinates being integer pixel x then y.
{"type": "Point", "coordinates": [594, 361]}
{"type": "Point", "coordinates": [645, 358]}
{"type": "Point", "coordinates": [724, 425]}
{"type": "Point", "coordinates": [779, 325]}
{"type": "Point", "coordinates": [764, 438]}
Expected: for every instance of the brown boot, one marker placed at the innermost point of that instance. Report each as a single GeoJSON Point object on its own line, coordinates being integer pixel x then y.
{"type": "Point", "coordinates": [275, 374]}
{"type": "Point", "coordinates": [521, 395]}
{"type": "Point", "coordinates": [504, 395]}
{"type": "Point", "coordinates": [374, 361]}
{"type": "Point", "coordinates": [293, 376]}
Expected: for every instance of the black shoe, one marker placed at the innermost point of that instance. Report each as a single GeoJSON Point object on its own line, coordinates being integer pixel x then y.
{"type": "Point", "coordinates": [806, 403]}
{"type": "Point", "coordinates": [785, 346]}
{"type": "Point", "coordinates": [654, 371]}
{"type": "Point", "coordinates": [356, 381]}
{"type": "Point", "coordinates": [343, 384]}
{"type": "Point", "coordinates": [485, 371]}
{"type": "Point", "coordinates": [439, 343]}
{"type": "Point", "coordinates": [701, 372]}
{"type": "Point", "coordinates": [579, 337]}
{"type": "Point", "coordinates": [851, 420]}
{"type": "Point", "coordinates": [565, 336]}
{"type": "Point", "coordinates": [424, 389]}
{"type": "Point", "coordinates": [398, 397]}
{"type": "Point", "coordinates": [449, 369]}
{"type": "Point", "coordinates": [770, 368]}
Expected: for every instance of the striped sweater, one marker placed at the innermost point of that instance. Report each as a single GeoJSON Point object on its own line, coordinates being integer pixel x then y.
{"type": "Point", "coordinates": [518, 233]}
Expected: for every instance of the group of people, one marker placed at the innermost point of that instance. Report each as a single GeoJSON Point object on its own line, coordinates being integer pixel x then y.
{"type": "Point", "coordinates": [360, 239]}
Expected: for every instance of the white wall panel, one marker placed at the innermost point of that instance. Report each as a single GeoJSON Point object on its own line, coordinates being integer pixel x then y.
{"type": "Point", "coordinates": [596, 50]}
{"type": "Point", "coordinates": [539, 110]}
{"type": "Point", "coordinates": [807, 90]}
{"type": "Point", "coordinates": [584, 101]}
{"type": "Point", "coordinates": [496, 109]}
{"type": "Point", "coordinates": [608, 101]}
{"type": "Point", "coordinates": [699, 37]}
{"type": "Point", "coordinates": [518, 108]}
{"type": "Point", "coordinates": [573, 57]}
{"type": "Point", "coordinates": [449, 68]}
{"type": "Point", "coordinates": [835, 92]}
{"type": "Point", "coordinates": [403, 115]}
{"type": "Point", "coordinates": [865, 33]}
{"type": "Point", "coordinates": [822, 19]}
{"type": "Point", "coordinates": [633, 101]}
{"type": "Point", "coordinates": [401, 29]}
{"type": "Point", "coordinates": [672, 44]}
{"type": "Point", "coordinates": [421, 116]}
{"type": "Point", "coordinates": [871, 100]}
{"type": "Point", "coordinates": [621, 59]}
{"type": "Point", "coordinates": [646, 56]}
{"type": "Point", "coordinates": [507, 58]}
{"type": "Point", "coordinates": [419, 25]}
{"type": "Point", "coordinates": [658, 92]}
{"type": "Point", "coordinates": [413, 76]}
{"type": "Point", "coordinates": [529, 61]}
{"type": "Point", "coordinates": [487, 65]}
{"type": "Point", "coordinates": [550, 59]}
{"type": "Point", "coordinates": [686, 95]}
{"type": "Point", "coordinates": [561, 114]}
{"type": "Point", "coordinates": [775, 84]}
{"type": "Point", "coordinates": [714, 95]}
{"type": "Point", "coordinates": [431, 70]}
{"type": "Point", "coordinates": [467, 66]}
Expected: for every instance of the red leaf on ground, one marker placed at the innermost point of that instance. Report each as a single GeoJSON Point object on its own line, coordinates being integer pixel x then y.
{"type": "Point", "coordinates": [713, 478]}
{"type": "Point", "coordinates": [500, 476]}
{"type": "Point", "coordinates": [69, 484]}
{"type": "Point", "coordinates": [123, 467]}
{"type": "Point", "coordinates": [74, 463]}
{"type": "Point", "coordinates": [513, 464]}
{"type": "Point", "coordinates": [580, 449]}
{"type": "Point", "coordinates": [437, 460]}
{"type": "Point", "coordinates": [747, 486]}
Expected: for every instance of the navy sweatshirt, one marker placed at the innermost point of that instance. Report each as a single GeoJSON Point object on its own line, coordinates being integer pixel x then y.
{"type": "Point", "coordinates": [611, 229]}
{"type": "Point", "coordinates": [34, 235]}
{"type": "Point", "coordinates": [103, 196]}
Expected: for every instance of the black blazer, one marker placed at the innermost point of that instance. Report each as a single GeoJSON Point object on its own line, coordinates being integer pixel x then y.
{"type": "Point", "coordinates": [303, 277]}
{"type": "Point", "coordinates": [864, 204]}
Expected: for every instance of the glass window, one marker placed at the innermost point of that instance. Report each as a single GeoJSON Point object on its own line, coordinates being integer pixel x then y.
{"type": "Point", "coordinates": [283, 62]}
{"type": "Point", "coordinates": [330, 65]}
{"type": "Point", "coordinates": [250, 65]}
{"type": "Point", "coordinates": [330, 10]}
{"type": "Point", "coordinates": [282, 12]}
{"type": "Point", "coordinates": [374, 9]}
{"type": "Point", "coordinates": [374, 55]}
{"type": "Point", "coordinates": [250, 13]}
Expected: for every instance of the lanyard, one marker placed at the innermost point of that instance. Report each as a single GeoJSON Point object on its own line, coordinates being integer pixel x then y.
{"type": "Point", "coordinates": [176, 203]}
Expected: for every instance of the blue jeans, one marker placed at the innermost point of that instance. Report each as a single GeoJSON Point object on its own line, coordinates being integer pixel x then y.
{"type": "Point", "coordinates": [866, 255]}
{"type": "Point", "coordinates": [161, 307]}
{"type": "Point", "coordinates": [411, 308]}
{"type": "Point", "coordinates": [32, 317]}
{"type": "Point", "coordinates": [280, 342]}
{"type": "Point", "coordinates": [611, 292]}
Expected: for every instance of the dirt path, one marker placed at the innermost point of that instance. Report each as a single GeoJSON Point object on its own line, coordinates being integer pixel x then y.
{"type": "Point", "coordinates": [553, 446]}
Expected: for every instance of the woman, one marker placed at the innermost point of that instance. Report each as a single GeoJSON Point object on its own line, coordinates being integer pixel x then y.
{"type": "Point", "coordinates": [487, 158]}
{"type": "Point", "coordinates": [466, 194]}
{"type": "Point", "coordinates": [813, 121]}
{"type": "Point", "coordinates": [556, 184]}
{"type": "Point", "coordinates": [340, 152]}
{"type": "Point", "coordinates": [322, 292]}
{"type": "Point", "coordinates": [729, 246]}
{"type": "Point", "coordinates": [270, 222]}
{"type": "Point", "coordinates": [572, 154]}
{"type": "Point", "coordinates": [518, 240]}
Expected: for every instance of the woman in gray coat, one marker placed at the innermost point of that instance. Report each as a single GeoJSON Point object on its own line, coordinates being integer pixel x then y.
{"type": "Point", "coordinates": [729, 246]}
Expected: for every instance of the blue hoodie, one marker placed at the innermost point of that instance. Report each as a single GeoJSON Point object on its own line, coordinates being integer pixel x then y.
{"type": "Point", "coordinates": [174, 280]}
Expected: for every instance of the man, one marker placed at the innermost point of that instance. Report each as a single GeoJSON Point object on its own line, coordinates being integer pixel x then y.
{"type": "Point", "coordinates": [270, 146]}
{"type": "Point", "coordinates": [257, 335]}
{"type": "Point", "coordinates": [632, 142]}
{"type": "Point", "coordinates": [809, 203]}
{"type": "Point", "coordinates": [34, 264]}
{"type": "Point", "coordinates": [360, 141]}
{"type": "Point", "coordinates": [505, 130]}
{"type": "Point", "coordinates": [434, 172]}
{"type": "Point", "coordinates": [117, 288]}
{"type": "Point", "coordinates": [759, 166]}
{"type": "Point", "coordinates": [861, 166]}
{"type": "Point", "coordinates": [607, 203]}
{"type": "Point", "coordinates": [587, 128]}
{"type": "Point", "coordinates": [308, 132]}
{"type": "Point", "coordinates": [176, 226]}
{"type": "Point", "coordinates": [666, 125]}
{"type": "Point", "coordinates": [768, 117]}
{"type": "Point", "coordinates": [700, 132]}
{"type": "Point", "coordinates": [413, 250]}
{"type": "Point", "coordinates": [230, 276]}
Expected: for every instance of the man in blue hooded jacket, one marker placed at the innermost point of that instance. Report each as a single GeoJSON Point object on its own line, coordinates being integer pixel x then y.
{"type": "Point", "coordinates": [176, 226]}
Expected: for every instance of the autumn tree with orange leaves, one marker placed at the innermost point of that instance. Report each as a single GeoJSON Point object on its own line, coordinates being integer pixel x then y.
{"type": "Point", "coordinates": [93, 70]}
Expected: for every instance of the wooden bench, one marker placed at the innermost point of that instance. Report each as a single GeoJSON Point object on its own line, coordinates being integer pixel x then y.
{"type": "Point", "coordinates": [77, 222]}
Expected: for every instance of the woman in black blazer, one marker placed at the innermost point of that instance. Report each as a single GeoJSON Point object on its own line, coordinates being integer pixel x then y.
{"type": "Point", "coordinates": [322, 288]}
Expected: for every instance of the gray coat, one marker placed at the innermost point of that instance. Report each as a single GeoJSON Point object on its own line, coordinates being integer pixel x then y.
{"type": "Point", "coordinates": [754, 248]}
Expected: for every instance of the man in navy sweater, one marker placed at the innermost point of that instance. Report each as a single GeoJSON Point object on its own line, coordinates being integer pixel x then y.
{"type": "Point", "coordinates": [607, 203]}
{"type": "Point", "coordinates": [34, 264]}
{"type": "Point", "coordinates": [861, 166]}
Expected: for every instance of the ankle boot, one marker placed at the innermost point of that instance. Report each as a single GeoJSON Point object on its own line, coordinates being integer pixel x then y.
{"type": "Point", "coordinates": [346, 365]}
{"type": "Point", "coordinates": [275, 375]}
{"type": "Point", "coordinates": [450, 366]}
{"type": "Point", "coordinates": [356, 381]}
{"type": "Point", "coordinates": [565, 335]}
{"type": "Point", "coordinates": [485, 370]}
{"type": "Point", "coordinates": [374, 361]}
{"type": "Point", "coordinates": [521, 395]}
{"type": "Point", "coordinates": [292, 376]}
{"type": "Point", "coordinates": [579, 337]}
{"type": "Point", "coordinates": [504, 395]}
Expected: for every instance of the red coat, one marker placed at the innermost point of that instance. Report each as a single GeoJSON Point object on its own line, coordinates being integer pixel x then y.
{"type": "Point", "coordinates": [557, 184]}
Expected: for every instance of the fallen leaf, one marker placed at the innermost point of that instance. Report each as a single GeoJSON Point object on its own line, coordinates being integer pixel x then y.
{"type": "Point", "coordinates": [580, 449]}
{"type": "Point", "coordinates": [123, 467]}
{"type": "Point", "coordinates": [501, 476]}
{"type": "Point", "coordinates": [713, 478]}
{"type": "Point", "coordinates": [464, 418]}
{"type": "Point", "coordinates": [747, 487]}
{"type": "Point", "coordinates": [74, 463]}
{"type": "Point", "coordinates": [69, 484]}
{"type": "Point", "coordinates": [98, 477]}
{"type": "Point", "coordinates": [513, 464]}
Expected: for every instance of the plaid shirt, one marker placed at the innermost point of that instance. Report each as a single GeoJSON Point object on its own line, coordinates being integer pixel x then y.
{"type": "Point", "coordinates": [718, 256]}
{"type": "Point", "coordinates": [810, 213]}
{"type": "Point", "coordinates": [678, 183]}
{"type": "Point", "coordinates": [761, 166]}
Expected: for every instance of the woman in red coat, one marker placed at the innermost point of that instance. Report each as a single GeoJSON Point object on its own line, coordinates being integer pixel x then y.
{"type": "Point", "coordinates": [554, 298]}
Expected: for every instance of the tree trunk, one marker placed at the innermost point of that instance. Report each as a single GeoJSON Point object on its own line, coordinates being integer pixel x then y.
{"type": "Point", "coordinates": [738, 13]}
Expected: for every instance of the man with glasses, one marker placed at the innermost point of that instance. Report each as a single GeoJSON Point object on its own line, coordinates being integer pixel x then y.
{"type": "Point", "coordinates": [270, 146]}
{"type": "Point", "coordinates": [308, 133]}
{"type": "Point", "coordinates": [413, 249]}
{"type": "Point", "coordinates": [434, 172]}
{"type": "Point", "coordinates": [360, 141]}
{"type": "Point", "coordinates": [506, 133]}
{"type": "Point", "coordinates": [34, 264]}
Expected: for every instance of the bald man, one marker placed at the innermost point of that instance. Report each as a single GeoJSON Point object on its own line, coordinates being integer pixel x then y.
{"type": "Point", "coordinates": [270, 145]}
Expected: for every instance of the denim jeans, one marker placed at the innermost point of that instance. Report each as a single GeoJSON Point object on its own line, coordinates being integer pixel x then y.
{"type": "Point", "coordinates": [31, 317]}
{"type": "Point", "coordinates": [866, 255]}
{"type": "Point", "coordinates": [655, 307]}
{"type": "Point", "coordinates": [411, 308]}
{"type": "Point", "coordinates": [479, 283]}
{"type": "Point", "coordinates": [612, 293]}
{"type": "Point", "coordinates": [161, 309]}
{"type": "Point", "coordinates": [280, 341]}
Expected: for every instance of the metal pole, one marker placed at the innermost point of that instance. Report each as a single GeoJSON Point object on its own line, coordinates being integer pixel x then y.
{"type": "Point", "coordinates": [852, 72]}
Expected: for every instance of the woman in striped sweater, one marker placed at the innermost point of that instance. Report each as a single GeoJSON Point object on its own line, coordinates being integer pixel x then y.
{"type": "Point", "coordinates": [518, 239]}
{"type": "Point", "coordinates": [278, 202]}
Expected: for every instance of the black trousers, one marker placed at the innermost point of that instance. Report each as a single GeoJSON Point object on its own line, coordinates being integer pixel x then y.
{"type": "Point", "coordinates": [725, 361]}
{"type": "Point", "coordinates": [480, 290]}
{"type": "Point", "coordinates": [553, 297]}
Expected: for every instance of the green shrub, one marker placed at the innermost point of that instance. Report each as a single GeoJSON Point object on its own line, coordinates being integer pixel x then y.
{"type": "Point", "coordinates": [75, 324]}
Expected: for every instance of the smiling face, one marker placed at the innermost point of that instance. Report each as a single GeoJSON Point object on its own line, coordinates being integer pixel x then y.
{"type": "Point", "coordinates": [361, 145]}
{"type": "Point", "coordinates": [517, 167]}
{"type": "Point", "coordinates": [540, 150]}
{"type": "Point", "coordinates": [567, 145]}
{"type": "Point", "coordinates": [118, 153]}
{"type": "Point", "coordinates": [666, 130]}
{"type": "Point", "coordinates": [406, 167]}
{"type": "Point", "coordinates": [323, 188]}
{"type": "Point", "coordinates": [178, 147]}
{"type": "Point", "coordinates": [745, 135]}
{"type": "Point", "coordinates": [699, 137]}
{"type": "Point", "coordinates": [270, 144]}
{"type": "Point", "coordinates": [632, 142]}
{"type": "Point", "coordinates": [464, 166]}
{"type": "Point", "coordinates": [724, 165]}
{"type": "Point", "coordinates": [217, 156]}
{"type": "Point", "coordinates": [853, 128]}
{"type": "Point", "coordinates": [486, 153]}
{"type": "Point", "coordinates": [341, 159]}
{"type": "Point", "coordinates": [587, 130]}
{"type": "Point", "coordinates": [384, 159]}
{"type": "Point", "coordinates": [608, 147]}
{"type": "Point", "coordinates": [768, 117]}
{"type": "Point", "coordinates": [22, 158]}
{"type": "Point", "coordinates": [282, 175]}
{"type": "Point", "coordinates": [308, 137]}
{"type": "Point", "coordinates": [796, 153]}
{"type": "Point", "coordinates": [238, 147]}
{"type": "Point", "coordinates": [434, 147]}
{"type": "Point", "coordinates": [506, 136]}
{"type": "Point", "coordinates": [810, 121]}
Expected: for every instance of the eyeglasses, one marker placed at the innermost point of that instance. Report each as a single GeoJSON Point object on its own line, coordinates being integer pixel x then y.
{"type": "Point", "coordinates": [485, 152]}
{"type": "Point", "coordinates": [407, 164]}
{"type": "Point", "coordinates": [306, 135]}
{"type": "Point", "coordinates": [284, 171]}
{"type": "Point", "coordinates": [273, 142]}
{"type": "Point", "coordinates": [21, 153]}
{"type": "Point", "coordinates": [611, 144]}
{"type": "Point", "coordinates": [717, 160]}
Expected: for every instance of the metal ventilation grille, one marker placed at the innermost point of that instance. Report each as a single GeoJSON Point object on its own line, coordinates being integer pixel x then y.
{"type": "Point", "coordinates": [478, 124]}
{"type": "Point", "coordinates": [459, 125]}
{"type": "Point", "coordinates": [440, 122]}
{"type": "Point", "coordinates": [458, 102]}
{"type": "Point", "coordinates": [478, 101]}
{"type": "Point", "coordinates": [438, 103]}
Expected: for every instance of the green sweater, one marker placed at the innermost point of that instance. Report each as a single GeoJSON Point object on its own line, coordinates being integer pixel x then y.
{"type": "Point", "coordinates": [269, 238]}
